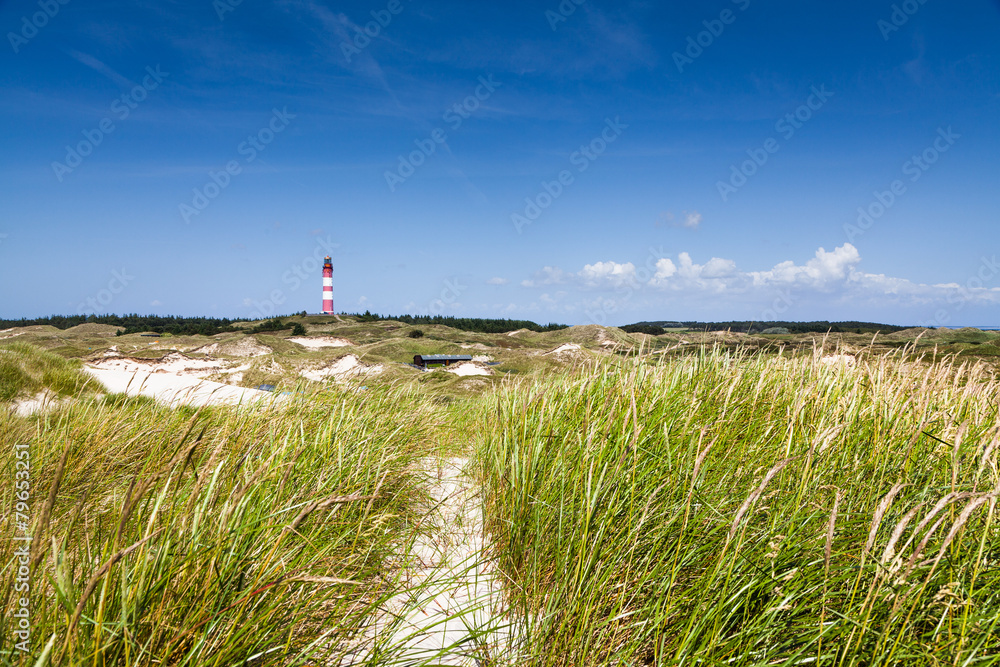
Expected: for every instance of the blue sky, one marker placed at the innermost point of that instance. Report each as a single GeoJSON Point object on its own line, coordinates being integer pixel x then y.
{"type": "Point", "coordinates": [606, 162]}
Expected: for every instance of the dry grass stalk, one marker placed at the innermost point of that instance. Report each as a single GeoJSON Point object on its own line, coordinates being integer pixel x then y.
{"type": "Point", "coordinates": [975, 504]}
{"type": "Point", "coordinates": [752, 498]}
{"type": "Point", "coordinates": [889, 553]}
{"type": "Point", "coordinates": [880, 511]}
{"type": "Point", "coordinates": [323, 504]}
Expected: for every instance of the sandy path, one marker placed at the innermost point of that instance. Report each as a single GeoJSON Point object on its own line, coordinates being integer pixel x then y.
{"type": "Point", "coordinates": [452, 611]}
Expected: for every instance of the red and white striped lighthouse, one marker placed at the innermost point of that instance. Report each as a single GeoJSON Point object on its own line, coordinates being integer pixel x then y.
{"type": "Point", "coordinates": [328, 286]}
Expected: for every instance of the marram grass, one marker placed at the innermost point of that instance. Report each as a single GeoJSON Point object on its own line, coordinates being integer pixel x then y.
{"type": "Point", "coordinates": [736, 509]}
{"type": "Point", "coordinates": [256, 536]}
{"type": "Point", "coordinates": [26, 369]}
{"type": "Point", "coordinates": [713, 509]}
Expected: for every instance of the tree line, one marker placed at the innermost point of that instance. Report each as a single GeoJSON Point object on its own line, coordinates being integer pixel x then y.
{"type": "Point", "coordinates": [476, 324]}
{"type": "Point", "coordinates": [135, 323]}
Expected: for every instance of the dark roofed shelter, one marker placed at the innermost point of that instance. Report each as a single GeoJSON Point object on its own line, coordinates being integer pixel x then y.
{"type": "Point", "coordinates": [424, 360]}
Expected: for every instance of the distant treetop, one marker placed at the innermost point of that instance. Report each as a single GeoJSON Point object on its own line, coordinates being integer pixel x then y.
{"type": "Point", "coordinates": [477, 324]}
{"type": "Point", "coordinates": [135, 323]}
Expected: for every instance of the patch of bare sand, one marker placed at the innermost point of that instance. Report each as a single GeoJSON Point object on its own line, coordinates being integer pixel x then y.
{"type": "Point", "coordinates": [452, 612]}
{"type": "Point", "coordinates": [838, 360]}
{"type": "Point", "coordinates": [245, 347]}
{"type": "Point", "coordinates": [565, 349]}
{"type": "Point", "coordinates": [172, 363]}
{"type": "Point", "coordinates": [172, 388]}
{"type": "Point", "coordinates": [469, 368]}
{"type": "Point", "coordinates": [43, 400]}
{"type": "Point", "coordinates": [345, 367]}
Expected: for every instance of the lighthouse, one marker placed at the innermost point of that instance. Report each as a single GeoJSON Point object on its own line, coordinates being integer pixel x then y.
{"type": "Point", "coordinates": [328, 286]}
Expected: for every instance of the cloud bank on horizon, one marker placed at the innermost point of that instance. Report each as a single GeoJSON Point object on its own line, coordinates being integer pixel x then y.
{"type": "Point", "coordinates": [833, 276]}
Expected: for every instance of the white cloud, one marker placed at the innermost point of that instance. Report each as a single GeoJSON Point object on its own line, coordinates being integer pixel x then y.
{"type": "Point", "coordinates": [689, 220]}
{"type": "Point", "coordinates": [549, 275]}
{"type": "Point", "coordinates": [607, 273]}
{"type": "Point", "coordinates": [665, 268]}
{"type": "Point", "coordinates": [497, 281]}
{"type": "Point", "coordinates": [155, 302]}
{"type": "Point", "coordinates": [820, 272]}
{"type": "Point", "coordinates": [719, 268]}
{"type": "Point", "coordinates": [833, 274]}
{"type": "Point", "coordinates": [692, 219]}
{"type": "Point", "coordinates": [717, 275]}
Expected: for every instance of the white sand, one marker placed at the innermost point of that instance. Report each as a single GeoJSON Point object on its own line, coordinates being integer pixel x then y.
{"type": "Point", "coordinates": [246, 347]}
{"type": "Point", "coordinates": [838, 360]}
{"type": "Point", "coordinates": [455, 616]}
{"type": "Point", "coordinates": [43, 400]}
{"type": "Point", "coordinates": [344, 367]}
{"type": "Point", "coordinates": [172, 363]}
{"type": "Point", "coordinates": [469, 368]}
{"type": "Point", "coordinates": [321, 341]}
{"type": "Point", "coordinates": [564, 348]}
{"type": "Point", "coordinates": [173, 388]}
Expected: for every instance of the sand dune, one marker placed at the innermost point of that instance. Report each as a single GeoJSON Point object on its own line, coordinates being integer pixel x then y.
{"type": "Point", "coordinates": [174, 389]}
{"type": "Point", "coordinates": [320, 341]}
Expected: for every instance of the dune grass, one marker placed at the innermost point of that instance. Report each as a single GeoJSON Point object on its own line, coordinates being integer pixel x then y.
{"type": "Point", "coordinates": [26, 369]}
{"type": "Point", "coordinates": [736, 509]}
{"type": "Point", "coordinates": [714, 508]}
{"type": "Point", "coordinates": [221, 536]}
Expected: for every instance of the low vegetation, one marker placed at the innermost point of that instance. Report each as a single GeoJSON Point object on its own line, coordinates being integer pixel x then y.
{"type": "Point", "coordinates": [702, 498]}
{"type": "Point", "coordinates": [749, 510]}
{"type": "Point", "coordinates": [222, 536]}
{"type": "Point", "coordinates": [26, 370]}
